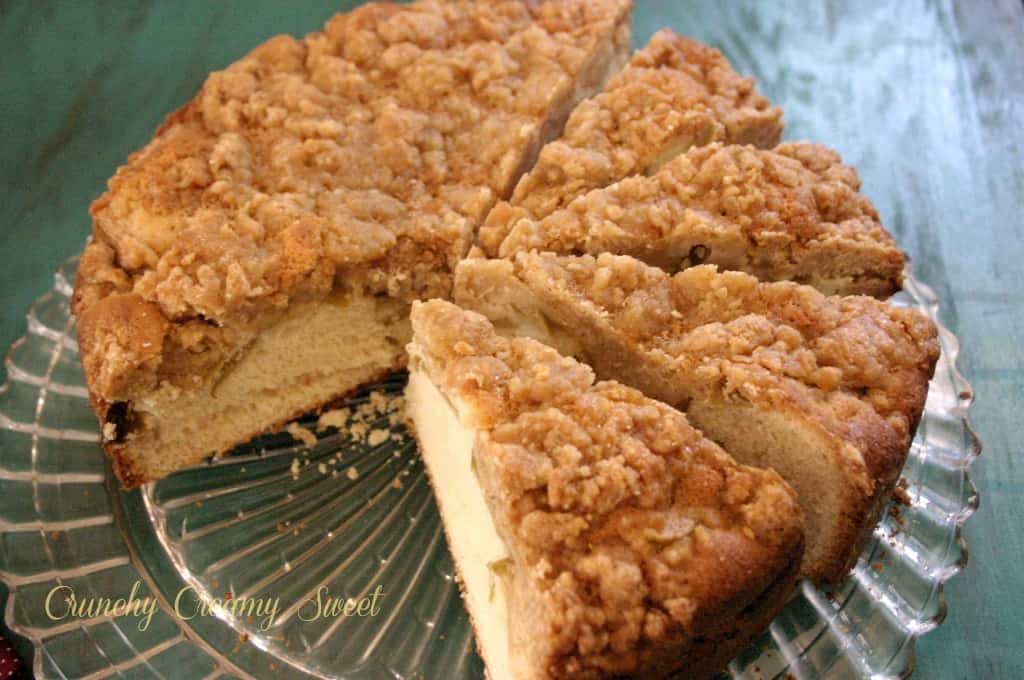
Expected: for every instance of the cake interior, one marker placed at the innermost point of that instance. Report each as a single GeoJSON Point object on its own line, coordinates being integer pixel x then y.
{"type": "Point", "coordinates": [765, 439]}
{"type": "Point", "coordinates": [677, 147]}
{"type": "Point", "coordinates": [480, 555]}
{"type": "Point", "coordinates": [314, 355]}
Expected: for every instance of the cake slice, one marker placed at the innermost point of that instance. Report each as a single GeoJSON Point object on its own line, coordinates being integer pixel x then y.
{"type": "Point", "coordinates": [595, 533]}
{"type": "Point", "coordinates": [257, 259]}
{"type": "Point", "coordinates": [794, 213]}
{"type": "Point", "coordinates": [826, 390]}
{"type": "Point", "coordinates": [674, 94]}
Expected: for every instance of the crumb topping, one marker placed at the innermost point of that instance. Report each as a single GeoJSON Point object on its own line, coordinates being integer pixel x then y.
{"type": "Point", "coordinates": [844, 359]}
{"type": "Point", "coordinates": [674, 94]}
{"type": "Point", "coordinates": [770, 213]}
{"type": "Point", "coordinates": [631, 525]}
{"type": "Point", "coordinates": [362, 156]}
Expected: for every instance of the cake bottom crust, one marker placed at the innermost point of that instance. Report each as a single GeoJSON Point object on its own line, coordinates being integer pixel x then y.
{"type": "Point", "coordinates": [309, 360]}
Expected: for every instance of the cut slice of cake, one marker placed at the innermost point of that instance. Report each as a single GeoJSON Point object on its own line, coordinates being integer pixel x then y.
{"type": "Point", "coordinates": [794, 213]}
{"type": "Point", "coordinates": [596, 534]}
{"type": "Point", "coordinates": [258, 257]}
{"type": "Point", "coordinates": [827, 390]}
{"type": "Point", "coordinates": [674, 94]}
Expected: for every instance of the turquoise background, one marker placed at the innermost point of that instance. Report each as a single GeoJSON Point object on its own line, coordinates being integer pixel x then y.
{"type": "Point", "coordinates": [924, 97]}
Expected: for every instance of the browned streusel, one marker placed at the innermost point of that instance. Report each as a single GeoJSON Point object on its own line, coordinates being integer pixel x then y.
{"type": "Point", "coordinates": [675, 93]}
{"type": "Point", "coordinates": [793, 213]}
{"type": "Point", "coordinates": [638, 535]}
{"type": "Point", "coordinates": [359, 158]}
{"type": "Point", "coordinates": [851, 359]}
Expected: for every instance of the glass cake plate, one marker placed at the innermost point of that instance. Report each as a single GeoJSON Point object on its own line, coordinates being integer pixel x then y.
{"type": "Point", "coordinates": [201, 556]}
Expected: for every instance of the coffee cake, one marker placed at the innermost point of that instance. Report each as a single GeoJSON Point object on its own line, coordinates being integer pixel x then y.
{"type": "Point", "coordinates": [596, 534]}
{"type": "Point", "coordinates": [826, 390]}
{"type": "Point", "coordinates": [257, 258]}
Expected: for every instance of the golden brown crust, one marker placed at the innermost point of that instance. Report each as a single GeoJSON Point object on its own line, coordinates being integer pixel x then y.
{"type": "Point", "coordinates": [639, 536]}
{"type": "Point", "coordinates": [323, 163]}
{"type": "Point", "coordinates": [675, 93]}
{"type": "Point", "coordinates": [792, 213]}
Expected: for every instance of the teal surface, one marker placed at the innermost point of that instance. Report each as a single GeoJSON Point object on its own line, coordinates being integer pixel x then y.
{"type": "Point", "coordinates": [926, 98]}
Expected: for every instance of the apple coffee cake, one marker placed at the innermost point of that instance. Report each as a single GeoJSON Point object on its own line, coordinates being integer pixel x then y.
{"type": "Point", "coordinates": [257, 259]}
{"type": "Point", "coordinates": [793, 213]}
{"type": "Point", "coordinates": [260, 257]}
{"type": "Point", "coordinates": [675, 93]}
{"type": "Point", "coordinates": [596, 534]}
{"type": "Point", "coordinates": [826, 390]}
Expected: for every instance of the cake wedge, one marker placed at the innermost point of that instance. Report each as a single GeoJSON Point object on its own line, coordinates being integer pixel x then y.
{"type": "Point", "coordinates": [675, 93]}
{"type": "Point", "coordinates": [827, 390]}
{"type": "Point", "coordinates": [595, 533]}
{"type": "Point", "coordinates": [792, 213]}
{"type": "Point", "coordinates": [256, 260]}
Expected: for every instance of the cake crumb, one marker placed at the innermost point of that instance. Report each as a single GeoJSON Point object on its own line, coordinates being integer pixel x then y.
{"type": "Point", "coordinates": [358, 421]}
{"type": "Point", "coordinates": [352, 473]}
{"type": "Point", "coordinates": [397, 483]}
{"type": "Point", "coordinates": [900, 493]}
{"type": "Point", "coordinates": [379, 401]}
{"type": "Point", "coordinates": [321, 468]}
{"type": "Point", "coordinates": [302, 434]}
{"type": "Point", "coordinates": [242, 639]}
{"type": "Point", "coordinates": [334, 418]}
{"type": "Point", "coordinates": [358, 431]}
{"type": "Point", "coordinates": [296, 468]}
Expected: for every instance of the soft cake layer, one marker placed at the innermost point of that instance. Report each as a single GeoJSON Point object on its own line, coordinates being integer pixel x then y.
{"type": "Point", "coordinates": [358, 159]}
{"type": "Point", "coordinates": [674, 94]}
{"type": "Point", "coordinates": [826, 390]}
{"type": "Point", "coordinates": [794, 213]}
{"type": "Point", "coordinates": [634, 545]}
{"type": "Point", "coordinates": [312, 357]}
{"type": "Point", "coordinates": [446, 446]}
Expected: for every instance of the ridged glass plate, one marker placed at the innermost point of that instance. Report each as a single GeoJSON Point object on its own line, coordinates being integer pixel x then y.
{"type": "Point", "coordinates": [353, 516]}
